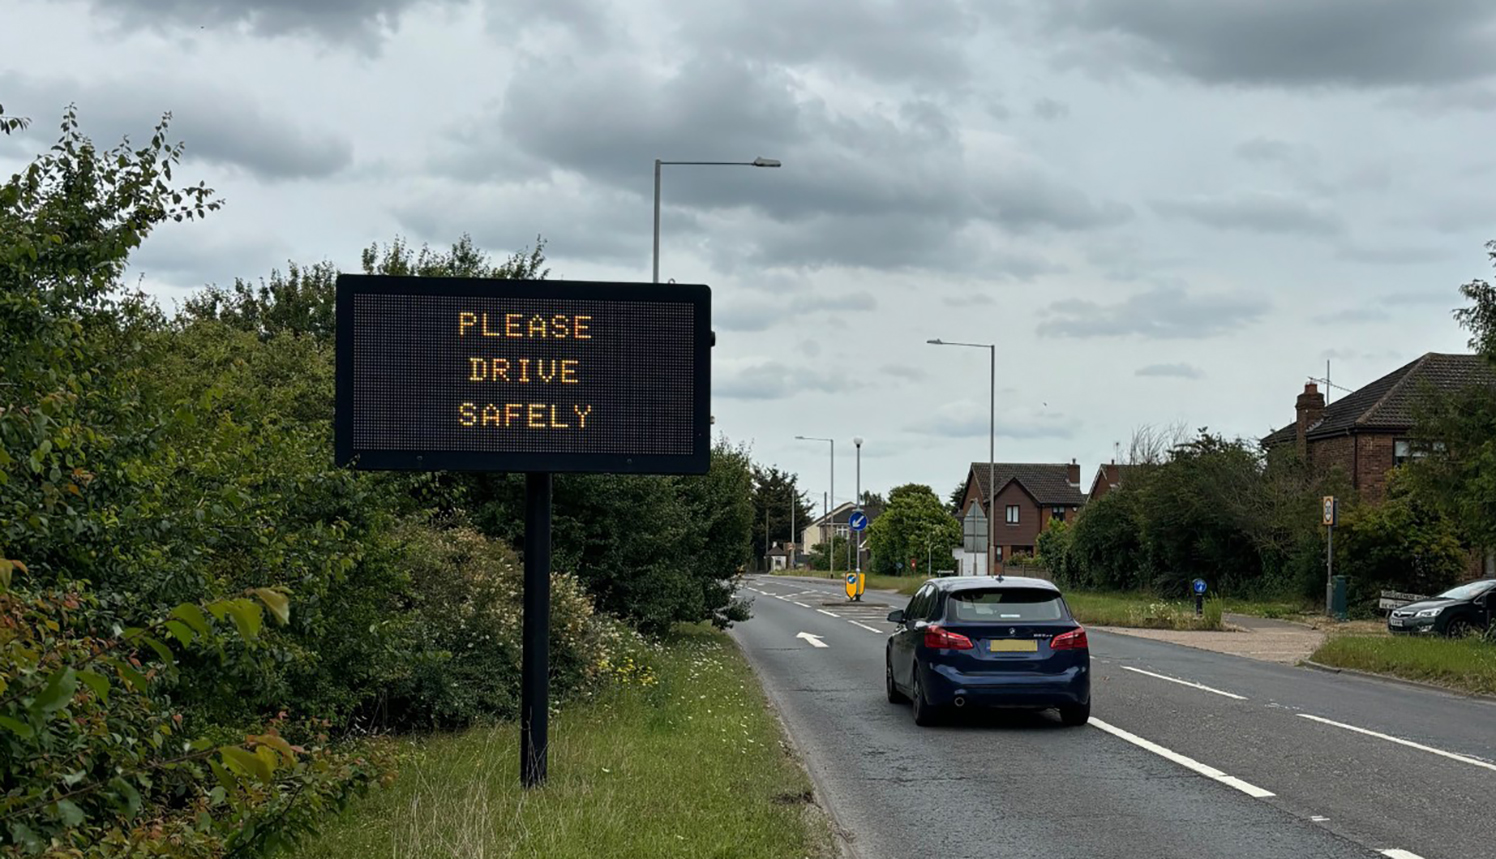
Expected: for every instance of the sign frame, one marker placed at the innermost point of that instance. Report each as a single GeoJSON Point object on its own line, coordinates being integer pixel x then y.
{"type": "Point", "coordinates": [523, 462]}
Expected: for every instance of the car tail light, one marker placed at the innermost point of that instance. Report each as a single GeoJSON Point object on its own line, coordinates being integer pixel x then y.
{"type": "Point", "coordinates": [1072, 640]}
{"type": "Point", "coordinates": [937, 638]}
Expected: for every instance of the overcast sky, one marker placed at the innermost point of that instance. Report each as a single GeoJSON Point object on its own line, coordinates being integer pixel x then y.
{"type": "Point", "coordinates": [1163, 210]}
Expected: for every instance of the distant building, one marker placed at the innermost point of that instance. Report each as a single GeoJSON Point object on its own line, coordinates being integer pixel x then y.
{"type": "Point", "coordinates": [1367, 433]}
{"type": "Point", "coordinates": [1028, 496]}
{"type": "Point", "coordinates": [1108, 477]}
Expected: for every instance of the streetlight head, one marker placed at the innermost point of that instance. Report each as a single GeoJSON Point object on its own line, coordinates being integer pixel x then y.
{"type": "Point", "coordinates": [765, 162]}
{"type": "Point", "coordinates": [857, 441]}
{"type": "Point", "coordinates": [800, 437]}
{"type": "Point", "coordinates": [936, 342]}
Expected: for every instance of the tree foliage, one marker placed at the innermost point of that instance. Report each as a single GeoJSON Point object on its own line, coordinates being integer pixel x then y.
{"type": "Point", "coordinates": [915, 526]}
{"type": "Point", "coordinates": [774, 493]}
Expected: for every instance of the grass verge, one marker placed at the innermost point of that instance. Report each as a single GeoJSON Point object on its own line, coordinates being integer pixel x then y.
{"type": "Point", "coordinates": [1468, 664]}
{"type": "Point", "coordinates": [689, 765]}
{"type": "Point", "coordinates": [1141, 611]}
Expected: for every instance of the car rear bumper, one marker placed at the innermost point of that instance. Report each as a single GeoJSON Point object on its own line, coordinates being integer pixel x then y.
{"type": "Point", "coordinates": [944, 684]}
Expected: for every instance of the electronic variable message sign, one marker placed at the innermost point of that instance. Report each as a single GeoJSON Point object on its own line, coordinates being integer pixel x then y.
{"type": "Point", "coordinates": [468, 374]}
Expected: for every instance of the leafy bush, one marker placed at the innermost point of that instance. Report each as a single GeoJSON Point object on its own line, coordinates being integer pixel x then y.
{"type": "Point", "coordinates": [465, 632]}
{"type": "Point", "coordinates": [1402, 544]}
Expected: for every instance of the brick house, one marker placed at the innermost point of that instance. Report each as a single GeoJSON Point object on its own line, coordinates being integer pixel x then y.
{"type": "Point", "coordinates": [1108, 477]}
{"type": "Point", "coordinates": [1367, 433]}
{"type": "Point", "coordinates": [1028, 497]}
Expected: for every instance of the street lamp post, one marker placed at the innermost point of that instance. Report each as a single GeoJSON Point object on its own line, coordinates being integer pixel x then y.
{"type": "Point", "coordinates": [830, 502]}
{"type": "Point", "coordinates": [757, 162]}
{"type": "Point", "coordinates": [858, 502]}
{"type": "Point", "coordinates": [991, 446]}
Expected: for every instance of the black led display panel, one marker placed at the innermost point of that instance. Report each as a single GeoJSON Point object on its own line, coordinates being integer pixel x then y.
{"type": "Point", "coordinates": [467, 374]}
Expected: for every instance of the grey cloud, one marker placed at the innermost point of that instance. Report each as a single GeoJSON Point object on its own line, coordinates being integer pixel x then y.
{"type": "Point", "coordinates": [923, 44]}
{"type": "Point", "coordinates": [774, 380]}
{"type": "Point", "coordinates": [192, 255]}
{"type": "Point", "coordinates": [1446, 297]}
{"type": "Point", "coordinates": [1260, 212]}
{"type": "Point", "coordinates": [974, 299]}
{"type": "Point", "coordinates": [854, 301]}
{"type": "Point", "coordinates": [739, 316]}
{"type": "Point", "coordinates": [359, 21]}
{"type": "Point", "coordinates": [1048, 108]}
{"type": "Point", "coordinates": [1390, 254]}
{"type": "Point", "coordinates": [1379, 356]}
{"type": "Point", "coordinates": [759, 315]}
{"type": "Point", "coordinates": [1351, 43]}
{"type": "Point", "coordinates": [1352, 315]}
{"type": "Point", "coordinates": [1164, 313]}
{"type": "Point", "coordinates": [1266, 150]}
{"type": "Point", "coordinates": [904, 371]}
{"type": "Point", "coordinates": [217, 127]}
{"type": "Point", "coordinates": [971, 420]}
{"type": "Point", "coordinates": [1431, 102]}
{"type": "Point", "coordinates": [1177, 371]}
{"type": "Point", "coordinates": [890, 185]}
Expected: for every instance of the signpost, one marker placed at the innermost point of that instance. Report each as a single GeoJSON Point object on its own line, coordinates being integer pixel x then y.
{"type": "Point", "coordinates": [1198, 586]}
{"type": "Point", "coordinates": [532, 377]}
{"type": "Point", "coordinates": [1330, 516]}
{"type": "Point", "coordinates": [858, 523]}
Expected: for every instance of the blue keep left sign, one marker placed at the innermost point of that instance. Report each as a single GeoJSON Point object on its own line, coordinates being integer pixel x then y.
{"type": "Point", "coordinates": [857, 521]}
{"type": "Point", "coordinates": [1199, 586]}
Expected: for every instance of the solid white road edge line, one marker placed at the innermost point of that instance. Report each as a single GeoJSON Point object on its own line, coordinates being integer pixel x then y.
{"type": "Point", "coordinates": [827, 613]}
{"type": "Point", "coordinates": [1400, 854]}
{"type": "Point", "coordinates": [1188, 763]}
{"type": "Point", "coordinates": [1409, 743]}
{"type": "Point", "coordinates": [801, 604]}
{"type": "Point", "coordinates": [865, 626]}
{"type": "Point", "coordinates": [1185, 683]}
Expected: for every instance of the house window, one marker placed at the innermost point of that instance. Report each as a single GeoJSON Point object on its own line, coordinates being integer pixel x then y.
{"type": "Point", "coordinates": [841, 530]}
{"type": "Point", "coordinates": [1404, 450]}
{"type": "Point", "coordinates": [1012, 514]}
{"type": "Point", "coordinates": [1057, 514]}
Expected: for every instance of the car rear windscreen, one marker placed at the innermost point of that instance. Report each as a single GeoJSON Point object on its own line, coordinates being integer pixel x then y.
{"type": "Point", "coordinates": [1001, 605]}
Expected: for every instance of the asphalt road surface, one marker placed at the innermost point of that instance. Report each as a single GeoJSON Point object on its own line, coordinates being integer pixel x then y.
{"type": "Point", "coordinates": [1189, 753]}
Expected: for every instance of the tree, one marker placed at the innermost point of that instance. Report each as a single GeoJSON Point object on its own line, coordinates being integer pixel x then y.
{"type": "Point", "coordinates": [1460, 474]}
{"type": "Point", "coordinates": [1404, 543]}
{"type": "Point", "coordinates": [774, 491]}
{"type": "Point", "coordinates": [957, 496]}
{"type": "Point", "coordinates": [915, 526]}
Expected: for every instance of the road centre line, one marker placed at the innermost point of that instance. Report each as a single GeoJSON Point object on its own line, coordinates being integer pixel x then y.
{"type": "Point", "coordinates": [827, 613]}
{"type": "Point", "coordinates": [1394, 853]}
{"type": "Point", "coordinates": [1186, 762]}
{"type": "Point", "coordinates": [1409, 743]}
{"type": "Point", "coordinates": [801, 604]}
{"type": "Point", "coordinates": [1185, 683]}
{"type": "Point", "coordinates": [865, 626]}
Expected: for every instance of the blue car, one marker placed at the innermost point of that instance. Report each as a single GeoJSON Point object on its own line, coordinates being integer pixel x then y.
{"type": "Point", "coordinates": [993, 641]}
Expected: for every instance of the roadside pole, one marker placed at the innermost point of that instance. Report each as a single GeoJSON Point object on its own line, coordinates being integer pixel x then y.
{"type": "Point", "coordinates": [534, 706]}
{"type": "Point", "coordinates": [1329, 517]}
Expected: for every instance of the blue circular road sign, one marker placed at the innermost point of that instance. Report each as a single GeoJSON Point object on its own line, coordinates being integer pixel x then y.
{"type": "Point", "coordinates": [851, 578]}
{"type": "Point", "coordinates": [1199, 586]}
{"type": "Point", "coordinates": [858, 521]}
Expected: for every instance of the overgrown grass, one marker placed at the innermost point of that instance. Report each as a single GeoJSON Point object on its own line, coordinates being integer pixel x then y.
{"type": "Point", "coordinates": [1468, 664]}
{"type": "Point", "coordinates": [1141, 610]}
{"type": "Point", "coordinates": [690, 764]}
{"type": "Point", "coordinates": [1284, 609]}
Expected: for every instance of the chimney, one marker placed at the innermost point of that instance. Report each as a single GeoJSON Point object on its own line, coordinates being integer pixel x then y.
{"type": "Point", "coordinates": [1310, 407]}
{"type": "Point", "coordinates": [1072, 473]}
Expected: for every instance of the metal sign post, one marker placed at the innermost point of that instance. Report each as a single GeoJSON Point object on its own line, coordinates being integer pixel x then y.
{"type": "Point", "coordinates": [1329, 518]}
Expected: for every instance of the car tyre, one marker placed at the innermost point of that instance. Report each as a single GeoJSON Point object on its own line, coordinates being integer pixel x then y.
{"type": "Point", "coordinates": [925, 715]}
{"type": "Point", "coordinates": [894, 695]}
{"type": "Point", "coordinates": [1075, 715]}
{"type": "Point", "coordinates": [1457, 628]}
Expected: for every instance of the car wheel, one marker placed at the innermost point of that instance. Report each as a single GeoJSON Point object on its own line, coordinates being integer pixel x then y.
{"type": "Point", "coordinates": [924, 714]}
{"type": "Point", "coordinates": [1075, 715]}
{"type": "Point", "coordinates": [894, 695]}
{"type": "Point", "coordinates": [1457, 628]}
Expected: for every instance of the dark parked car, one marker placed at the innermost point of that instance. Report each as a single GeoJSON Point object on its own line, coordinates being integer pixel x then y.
{"type": "Point", "coordinates": [989, 641]}
{"type": "Point", "coordinates": [1456, 612]}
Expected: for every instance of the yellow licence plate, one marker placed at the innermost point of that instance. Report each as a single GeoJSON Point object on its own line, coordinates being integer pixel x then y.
{"type": "Point", "coordinates": [1008, 645]}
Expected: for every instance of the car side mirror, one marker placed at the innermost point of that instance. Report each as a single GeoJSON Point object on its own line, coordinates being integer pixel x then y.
{"type": "Point", "coordinates": [896, 616]}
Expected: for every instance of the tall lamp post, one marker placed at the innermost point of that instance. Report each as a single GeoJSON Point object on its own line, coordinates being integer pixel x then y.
{"type": "Point", "coordinates": [757, 162]}
{"type": "Point", "coordinates": [857, 501]}
{"type": "Point", "coordinates": [991, 446]}
{"type": "Point", "coordinates": [830, 501]}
